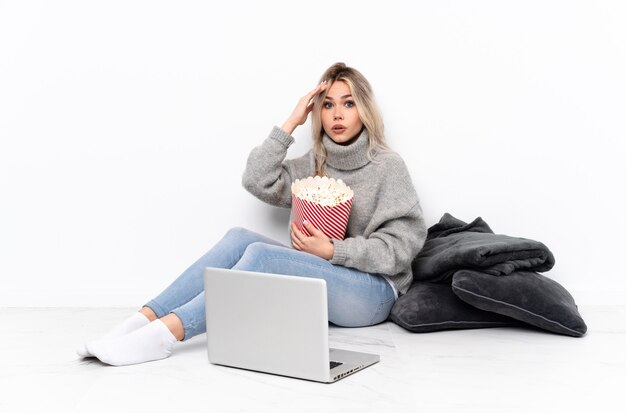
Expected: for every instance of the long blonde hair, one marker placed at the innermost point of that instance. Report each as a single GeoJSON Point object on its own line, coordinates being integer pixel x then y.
{"type": "Point", "coordinates": [365, 105]}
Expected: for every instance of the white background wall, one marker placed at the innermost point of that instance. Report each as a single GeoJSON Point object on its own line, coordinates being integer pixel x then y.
{"type": "Point", "coordinates": [125, 126]}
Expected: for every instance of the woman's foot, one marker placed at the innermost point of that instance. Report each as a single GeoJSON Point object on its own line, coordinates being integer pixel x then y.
{"type": "Point", "coordinates": [132, 323]}
{"type": "Point", "coordinates": [151, 342]}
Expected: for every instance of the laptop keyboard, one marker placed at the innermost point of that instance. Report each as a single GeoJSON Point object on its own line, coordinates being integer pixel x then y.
{"type": "Point", "coordinates": [334, 364]}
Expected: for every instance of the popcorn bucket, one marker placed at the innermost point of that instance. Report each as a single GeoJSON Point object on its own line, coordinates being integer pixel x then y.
{"type": "Point", "coordinates": [324, 202]}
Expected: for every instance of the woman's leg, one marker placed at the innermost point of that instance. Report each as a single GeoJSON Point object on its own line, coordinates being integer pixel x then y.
{"type": "Point", "coordinates": [190, 283]}
{"type": "Point", "coordinates": [355, 298]}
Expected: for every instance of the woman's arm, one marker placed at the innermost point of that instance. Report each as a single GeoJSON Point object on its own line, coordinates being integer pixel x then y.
{"type": "Point", "coordinates": [389, 250]}
{"type": "Point", "coordinates": [394, 230]}
{"type": "Point", "coordinates": [267, 175]}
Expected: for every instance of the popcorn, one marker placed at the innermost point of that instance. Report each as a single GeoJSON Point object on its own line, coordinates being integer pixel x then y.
{"type": "Point", "coordinates": [322, 195]}
{"type": "Point", "coordinates": [324, 202]}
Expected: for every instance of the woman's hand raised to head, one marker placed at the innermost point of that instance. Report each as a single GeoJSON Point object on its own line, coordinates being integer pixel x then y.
{"type": "Point", "coordinates": [302, 110]}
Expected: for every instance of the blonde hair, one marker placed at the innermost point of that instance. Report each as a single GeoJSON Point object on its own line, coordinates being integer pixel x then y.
{"type": "Point", "coordinates": [366, 107]}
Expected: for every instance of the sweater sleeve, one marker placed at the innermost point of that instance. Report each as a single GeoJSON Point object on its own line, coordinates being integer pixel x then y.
{"type": "Point", "coordinates": [389, 250]}
{"type": "Point", "coordinates": [266, 176]}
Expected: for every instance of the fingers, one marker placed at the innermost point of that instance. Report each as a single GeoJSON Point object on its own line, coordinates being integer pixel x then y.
{"type": "Point", "coordinates": [301, 237]}
{"type": "Point", "coordinates": [296, 244]}
{"type": "Point", "coordinates": [318, 243]}
{"type": "Point", "coordinates": [302, 110]}
{"type": "Point", "coordinates": [309, 108]}
{"type": "Point", "coordinates": [312, 230]}
{"type": "Point", "coordinates": [295, 232]}
{"type": "Point", "coordinates": [301, 241]}
{"type": "Point", "coordinates": [296, 237]}
{"type": "Point", "coordinates": [319, 88]}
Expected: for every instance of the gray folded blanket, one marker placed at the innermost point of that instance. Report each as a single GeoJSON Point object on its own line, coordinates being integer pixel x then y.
{"type": "Point", "coordinates": [452, 245]}
{"type": "Point", "coordinates": [457, 283]}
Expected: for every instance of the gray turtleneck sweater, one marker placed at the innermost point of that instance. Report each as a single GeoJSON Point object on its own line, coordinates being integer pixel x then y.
{"type": "Point", "coordinates": [386, 228]}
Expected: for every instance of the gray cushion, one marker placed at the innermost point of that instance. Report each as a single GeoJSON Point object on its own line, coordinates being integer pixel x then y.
{"type": "Point", "coordinates": [523, 295]}
{"type": "Point", "coordinates": [430, 307]}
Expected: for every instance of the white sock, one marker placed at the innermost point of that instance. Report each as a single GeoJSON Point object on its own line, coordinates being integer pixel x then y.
{"type": "Point", "coordinates": [151, 342]}
{"type": "Point", "coordinates": [132, 323]}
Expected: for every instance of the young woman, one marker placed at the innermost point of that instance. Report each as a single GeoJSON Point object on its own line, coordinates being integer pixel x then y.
{"type": "Point", "coordinates": [364, 272]}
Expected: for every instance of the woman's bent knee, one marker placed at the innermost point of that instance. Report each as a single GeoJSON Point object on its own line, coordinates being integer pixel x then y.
{"type": "Point", "coordinates": [254, 256]}
{"type": "Point", "coordinates": [237, 232]}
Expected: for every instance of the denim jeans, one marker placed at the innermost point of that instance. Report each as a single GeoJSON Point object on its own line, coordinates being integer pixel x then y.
{"type": "Point", "coordinates": [355, 298]}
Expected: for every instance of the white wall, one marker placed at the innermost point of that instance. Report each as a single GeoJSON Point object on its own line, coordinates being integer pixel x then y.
{"type": "Point", "coordinates": [125, 126]}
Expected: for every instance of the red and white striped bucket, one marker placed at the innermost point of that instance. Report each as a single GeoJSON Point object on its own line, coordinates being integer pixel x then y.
{"type": "Point", "coordinates": [331, 220]}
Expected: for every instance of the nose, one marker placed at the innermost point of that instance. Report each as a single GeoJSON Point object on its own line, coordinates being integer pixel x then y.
{"type": "Point", "coordinates": [338, 114]}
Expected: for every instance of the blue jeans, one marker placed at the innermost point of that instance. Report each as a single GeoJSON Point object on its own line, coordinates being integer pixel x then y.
{"type": "Point", "coordinates": [355, 298]}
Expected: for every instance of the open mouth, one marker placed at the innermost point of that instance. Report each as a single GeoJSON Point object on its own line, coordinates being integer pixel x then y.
{"type": "Point", "coordinates": [339, 129]}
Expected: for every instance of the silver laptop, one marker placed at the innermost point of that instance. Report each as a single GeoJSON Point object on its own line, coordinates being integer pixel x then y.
{"type": "Point", "coordinates": [274, 324]}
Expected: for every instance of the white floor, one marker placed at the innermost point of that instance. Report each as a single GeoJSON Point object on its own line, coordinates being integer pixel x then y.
{"type": "Point", "coordinates": [487, 370]}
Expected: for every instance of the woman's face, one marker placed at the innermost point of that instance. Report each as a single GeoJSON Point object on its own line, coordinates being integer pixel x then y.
{"type": "Point", "coordinates": [340, 118]}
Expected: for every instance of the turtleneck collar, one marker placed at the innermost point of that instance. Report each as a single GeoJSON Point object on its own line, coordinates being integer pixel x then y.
{"type": "Point", "coordinates": [348, 157]}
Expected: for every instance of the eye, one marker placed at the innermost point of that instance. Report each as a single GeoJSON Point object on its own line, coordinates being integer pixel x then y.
{"type": "Point", "coordinates": [328, 105]}
{"type": "Point", "coordinates": [349, 104]}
